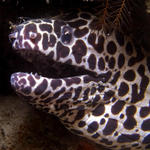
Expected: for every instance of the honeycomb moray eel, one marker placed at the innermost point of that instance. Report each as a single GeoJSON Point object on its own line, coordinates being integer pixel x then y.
{"type": "Point", "coordinates": [110, 102]}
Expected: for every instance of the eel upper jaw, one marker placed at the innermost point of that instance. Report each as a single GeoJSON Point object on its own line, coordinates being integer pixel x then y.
{"type": "Point", "coordinates": [46, 63]}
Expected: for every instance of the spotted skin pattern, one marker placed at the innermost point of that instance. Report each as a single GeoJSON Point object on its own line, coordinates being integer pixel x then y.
{"type": "Point", "coordinates": [112, 106]}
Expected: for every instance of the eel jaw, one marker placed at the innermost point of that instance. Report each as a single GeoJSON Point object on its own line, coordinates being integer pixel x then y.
{"type": "Point", "coordinates": [46, 93]}
{"type": "Point", "coordinates": [46, 89]}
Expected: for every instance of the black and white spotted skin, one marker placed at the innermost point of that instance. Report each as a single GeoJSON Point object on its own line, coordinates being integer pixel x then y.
{"type": "Point", "coordinates": [111, 104]}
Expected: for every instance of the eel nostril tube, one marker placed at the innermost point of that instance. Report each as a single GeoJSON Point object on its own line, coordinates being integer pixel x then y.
{"type": "Point", "coordinates": [12, 36]}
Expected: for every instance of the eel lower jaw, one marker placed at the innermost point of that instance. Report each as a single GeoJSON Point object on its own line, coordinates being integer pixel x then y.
{"type": "Point", "coordinates": [38, 89]}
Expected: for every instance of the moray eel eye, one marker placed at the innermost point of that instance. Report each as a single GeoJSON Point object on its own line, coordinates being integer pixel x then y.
{"type": "Point", "coordinates": [66, 37]}
{"type": "Point", "coordinates": [32, 35]}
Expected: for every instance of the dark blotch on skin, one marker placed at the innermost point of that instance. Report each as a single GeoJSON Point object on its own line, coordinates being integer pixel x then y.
{"type": "Point", "coordinates": [93, 90]}
{"type": "Point", "coordinates": [92, 61]}
{"type": "Point", "coordinates": [129, 75]}
{"type": "Point", "coordinates": [80, 32]}
{"type": "Point", "coordinates": [104, 77]}
{"type": "Point", "coordinates": [123, 138]}
{"type": "Point", "coordinates": [110, 126]}
{"type": "Point", "coordinates": [96, 135]}
{"type": "Point", "coordinates": [26, 90]}
{"type": "Point", "coordinates": [123, 89]}
{"type": "Point", "coordinates": [41, 88]}
{"type": "Point", "coordinates": [77, 93]}
{"type": "Point", "coordinates": [130, 122]}
{"type": "Point", "coordinates": [115, 78]}
{"type": "Point", "coordinates": [31, 80]}
{"type": "Point", "coordinates": [117, 107]}
{"type": "Point", "coordinates": [95, 100]}
{"type": "Point", "coordinates": [111, 48]}
{"type": "Point", "coordinates": [121, 60]}
{"type": "Point", "coordinates": [45, 94]}
{"type": "Point", "coordinates": [116, 133]}
{"type": "Point", "coordinates": [92, 127]}
{"type": "Point", "coordinates": [88, 79]}
{"type": "Point", "coordinates": [45, 41]}
{"type": "Point", "coordinates": [99, 110]}
{"type": "Point", "coordinates": [56, 83]}
{"type": "Point", "coordinates": [79, 115]}
{"type": "Point", "coordinates": [99, 46]}
{"type": "Point", "coordinates": [102, 121]}
{"type": "Point", "coordinates": [57, 94]}
{"type": "Point", "coordinates": [108, 95]}
{"type": "Point", "coordinates": [106, 58]}
{"type": "Point", "coordinates": [121, 116]}
{"type": "Point", "coordinates": [111, 62]}
{"type": "Point", "coordinates": [64, 97]}
{"type": "Point", "coordinates": [86, 94]}
{"type": "Point", "coordinates": [46, 27]}
{"type": "Point", "coordinates": [101, 64]}
{"type": "Point", "coordinates": [62, 51]}
{"type": "Point", "coordinates": [106, 115]}
{"type": "Point", "coordinates": [57, 27]}
{"type": "Point", "coordinates": [73, 80]}
{"type": "Point", "coordinates": [144, 111]}
{"type": "Point", "coordinates": [79, 50]}
{"type": "Point", "coordinates": [141, 70]}
{"type": "Point", "coordinates": [37, 76]}
{"type": "Point", "coordinates": [138, 93]}
{"type": "Point", "coordinates": [52, 41]}
{"type": "Point", "coordinates": [146, 139]}
{"type": "Point", "coordinates": [64, 107]}
{"type": "Point", "coordinates": [131, 110]}
{"type": "Point", "coordinates": [101, 88]}
{"type": "Point", "coordinates": [20, 40]}
{"type": "Point", "coordinates": [146, 125]}
{"type": "Point", "coordinates": [66, 35]}
{"type": "Point", "coordinates": [81, 124]}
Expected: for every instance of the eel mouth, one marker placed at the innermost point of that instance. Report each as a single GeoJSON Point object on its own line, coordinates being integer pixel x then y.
{"type": "Point", "coordinates": [45, 66]}
{"type": "Point", "coordinates": [50, 79]}
{"type": "Point", "coordinates": [51, 72]}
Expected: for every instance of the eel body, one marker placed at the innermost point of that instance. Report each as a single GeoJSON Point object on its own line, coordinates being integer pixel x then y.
{"type": "Point", "coordinates": [106, 95]}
